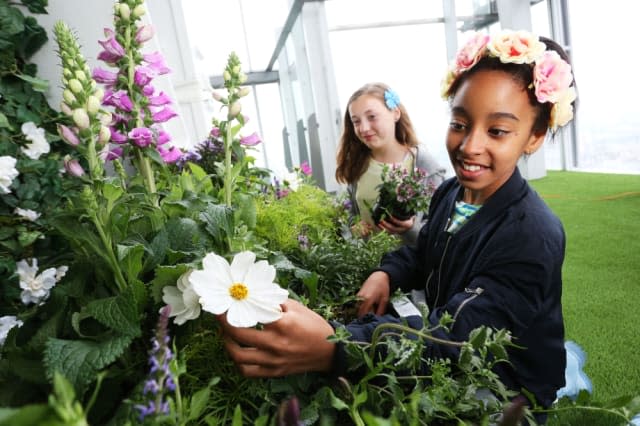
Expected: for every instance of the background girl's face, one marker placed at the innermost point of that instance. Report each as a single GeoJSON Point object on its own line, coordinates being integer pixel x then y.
{"type": "Point", "coordinates": [373, 123]}
{"type": "Point", "coordinates": [490, 128]}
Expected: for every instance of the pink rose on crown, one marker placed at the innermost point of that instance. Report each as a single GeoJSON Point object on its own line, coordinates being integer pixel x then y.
{"type": "Point", "coordinates": [551, 77]}
{"type": "Point", "coordinates": [471, 52]}
{"type": "Point", "coordinates": [519, 47]}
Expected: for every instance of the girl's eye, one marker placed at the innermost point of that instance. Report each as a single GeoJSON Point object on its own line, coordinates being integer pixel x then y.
{"type": "Point", "coordinates": [498, 132]}
{"type": "Point", "coordinates": [371, 117]}
{"type": "Point", "coordinates": [456, 126]}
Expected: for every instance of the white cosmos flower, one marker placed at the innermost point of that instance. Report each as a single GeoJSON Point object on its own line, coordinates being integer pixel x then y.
{"type": "Point", "coordinates": [27, 214]}
{"type": "Point", "coordinates": [184, 302]}
{"type": "Point", "coordinates": [244, 289]}
{"type": "Point", "coordinates": [6, 324]}
{"type": "Point", "coordinates": [8, 173]}
{"type": "Point", "coordinates": [38, 145]}
{"type": "Point", "coordinates": [36, 288]}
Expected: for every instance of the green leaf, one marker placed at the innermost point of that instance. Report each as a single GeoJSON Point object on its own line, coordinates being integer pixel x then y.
{"type": "Point", "coordinates": [80, 360]}
{"type": "Point", "coordinates": [37, 84]}
{"type": "Point", "coordinates": [11, 21]}
{"type": "Point", "coordinates": [118, 313]}
{"type": "Point", "coordinates": [478, 337]}
{"type": "Point", "coordinates": [27, 415]}
{"type": "Point", "coordinates": [4, 122]}
{"type": "Point", "coordinates": [130, 258]}
{"type": "Point", "coordinates": [198, 403]}
{"type": "Point", "coordinates": [237, 416]}
{"type": "Point", "coordinates": [35, 6]}
{"type": "Point", "coordinates": [219, 221]}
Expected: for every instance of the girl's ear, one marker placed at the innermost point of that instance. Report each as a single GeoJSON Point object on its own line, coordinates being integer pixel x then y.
{"type": "Point", "coordinates": [534, 143]}
{"type": "Point", "coordinates": [396, 114]}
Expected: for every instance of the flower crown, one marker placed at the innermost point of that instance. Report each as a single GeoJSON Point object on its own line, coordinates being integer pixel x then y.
{"type": "Point", "coordinates": [391, 99]}
{"type": "Point", "coordinates": [552, 77]}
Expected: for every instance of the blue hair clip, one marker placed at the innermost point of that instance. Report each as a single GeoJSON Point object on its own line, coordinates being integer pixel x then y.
{"type": "Point", "coordinates": [391, 98]}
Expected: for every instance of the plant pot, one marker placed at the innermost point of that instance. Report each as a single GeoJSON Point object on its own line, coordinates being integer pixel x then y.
{"type": "Point", "coordinates": [382, 211]}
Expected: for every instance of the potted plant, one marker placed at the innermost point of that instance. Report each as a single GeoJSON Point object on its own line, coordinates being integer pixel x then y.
{"type": "Point", "coordinates": [402, 193]}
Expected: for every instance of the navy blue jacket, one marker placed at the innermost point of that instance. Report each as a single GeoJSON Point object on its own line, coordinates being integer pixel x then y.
{"type": "Point", "coordinates": [501, 269]}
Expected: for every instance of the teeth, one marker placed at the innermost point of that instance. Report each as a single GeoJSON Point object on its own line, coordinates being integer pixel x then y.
{"type": "Point", "coordinates": [470, 167]}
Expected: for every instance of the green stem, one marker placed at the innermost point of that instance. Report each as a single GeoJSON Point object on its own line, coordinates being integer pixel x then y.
{"type": "Point", "coordinates": [120, 281]}
{"type": "Point", "coordinates": [227, 165]}
{"type": "Point", "coordinates": [404, 329]}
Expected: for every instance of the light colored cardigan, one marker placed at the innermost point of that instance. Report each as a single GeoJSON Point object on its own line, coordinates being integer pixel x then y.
{"type": "Point", "coordinates": [423, 160]}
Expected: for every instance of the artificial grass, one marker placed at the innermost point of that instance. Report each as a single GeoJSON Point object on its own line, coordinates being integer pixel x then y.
{"type": "Point", "coordinates": [601, 277]}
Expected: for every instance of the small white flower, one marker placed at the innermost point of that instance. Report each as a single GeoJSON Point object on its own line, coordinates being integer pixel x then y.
{"type": "Point", "coordinates": [184, 302]}
{"type": "Point", "coordinates": [61, 271]}
{"type": "Point", "coordinates": [27, 214]}
{"type": "Point", "coordinates": [293, 179]}
{"type": "Point", "coordinates": [6, 324]}
{"type": "Point", "coordinates": [244, 289]}
{"type": "Point", "coordinates": [38, 145]}
{"type": "Point", "coordinates": [35, 288]}
{"type": "Point", "coordinates": [8, 173]}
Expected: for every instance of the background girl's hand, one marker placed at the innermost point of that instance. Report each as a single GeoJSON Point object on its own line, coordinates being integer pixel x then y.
{"type": "Point", "coordinates": [374, 294]}
{"type": "Point", "coordinates": [361, 229]}
{"type": "Point", "coordinates": [296, 343]}
{"type": "Point", "coordinates": [396, 226]}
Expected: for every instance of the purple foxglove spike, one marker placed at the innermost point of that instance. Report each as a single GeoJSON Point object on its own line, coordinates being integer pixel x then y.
{"type": "Point", "coordinates": [165, 114]}
{"type": "Point", "coordinates": [141, 136]}
{"type": "Point", "coordinates": [144, 33]}
{"type": "Point", "coordinates": [111, 153]}
{"type": "Point", "coordinates": [108, 58]}
{"type": "Point", "coordinates": [105, 77]}
{"type": "Point", "coordinates": [118, 137]}
{"type": "Point", "coordinates": [68, 135]}
{"type": "Point", "coordinates": [251, 140]}
{"type": "Point", "coordinates": [159, 100]}
{"type": "Point", "coordinates": [143, 76]}
{"type": "Point", "coordinates": [163, 137]}
{"type": "Point", "coordinates": [170, 156]}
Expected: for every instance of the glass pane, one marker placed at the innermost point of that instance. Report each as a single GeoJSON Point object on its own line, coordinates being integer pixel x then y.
{"type": "Point", "coordinates": [360, 12]}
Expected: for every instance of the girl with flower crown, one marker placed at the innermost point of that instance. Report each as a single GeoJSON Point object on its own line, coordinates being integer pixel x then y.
{"type": "Point", "coordinates": [378, 132]}
{"type": "Point", "coordinates": [491, 252]}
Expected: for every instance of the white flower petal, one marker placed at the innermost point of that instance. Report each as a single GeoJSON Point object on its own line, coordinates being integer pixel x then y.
{"type": "Point", "coordinates": [241, 314]}
{"type": "Point", "coordinates": [273, 295]}
{"type": "Point", "coordinates": [265, 314]}
{"type": "Point", "coordinates": [213, 298]}
{"type": "Point", "coordinates": [218, 267]}
{"type": "Point", "coordinates": [259, 274]}
{"type": "Point", "coordinates": [240, 265]}
{"type": "Point", "coordinates": [172, 296]}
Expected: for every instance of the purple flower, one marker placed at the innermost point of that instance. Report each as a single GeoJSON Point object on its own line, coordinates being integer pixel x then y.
{"type": "Point", "coordinates": [118, 137]}
{"type": "Point", "coordinates": [215, 132]}
{"type": "Point", "coordinates": [163, 137]}
{"type": "Point", "coordinates": [170, 156]}
{"type": "Point", "coordinates": [143, 76]}
{"type": "Point", "coordinates": [111, 46]}
{"type": "Point", "coordinates": [118, 99]}
{"type": "Point", "coordinates": [141, 136]}
{"type": "Point", "coordinates": [305, 168]}
{"type": "Point", "coordinates": [111, 153]}
{"type": "Point", "coordinates": [72, 166]}
{"type": "Point", "coordinates": [148, 90]}
{"type": "Point", "coordinates": [160, 99]}
{"type": "Point", "coordinates": [105, 77]}
{"type": "Point", "coordinates": [251, 140]}
{"type": "Point", "coordinates": [165, 114]}
{"type": "Point", "coordinates": [156, 61]}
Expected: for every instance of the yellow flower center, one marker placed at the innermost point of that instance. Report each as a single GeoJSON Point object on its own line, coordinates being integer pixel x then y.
{"type": "Point", "coordinates": [238, 291]}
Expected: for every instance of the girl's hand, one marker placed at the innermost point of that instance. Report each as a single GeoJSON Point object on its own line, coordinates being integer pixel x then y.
{"type": "Point", "coordinates": [374, 294]}
{"type": "Point", "coordinates": [361, 229]}
{"type": "Point", "coordinates": [396, 226]}
{"type": "Point", "coordinates": [296, 343]}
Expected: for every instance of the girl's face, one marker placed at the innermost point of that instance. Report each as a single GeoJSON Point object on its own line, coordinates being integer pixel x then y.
{"type": "Point", "coordinates": [490, 128]}
{"type": "Point", "coordinates": [374, 124]}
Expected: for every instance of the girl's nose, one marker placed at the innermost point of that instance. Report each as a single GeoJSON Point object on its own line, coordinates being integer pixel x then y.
{"type": "Point", "coordinates": [474, 142]}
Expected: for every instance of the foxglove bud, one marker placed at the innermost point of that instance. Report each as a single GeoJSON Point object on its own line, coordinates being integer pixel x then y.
{"type": "Point", "coordinates": [68, 135]}
{"type": "Point", "coordinates": [72, 166]}
{"type": "Point", "coordinates": [139, 10]}
{"type": "Point", "coordinates": [242, 77]}
{"type": "Point", "coordinates": [105, 135]}
{"type": "Point", "coordinates": [234, 110]}
{"type": "Point", "coordinates": [67, 73]}
{"type": "Point", "coordinates": [236, 69]}
{"type": "Point", "coordinates": [124, 10]}
{"type": "Point", "coordinates": [218, 97]}
{"type": "Point", "coordinates": [93, 105]}
{"type": "Point", "coordinates": [244, 91]}
{"type": "Point", "coordinates": [65, 108]}
{"type": "Point", "coordinates": [99, 94]}
{"type": "Point", "coordinates": [80, 75]}
{"type": "Point", "coordinates": [81, 118]}
{"type": "Point", "coordinates": [226, 75]}
{"type": "Point", "coordinates": [69, 97]}
{"type": "Point", "coordinates": [75, 85]}
{"type": "Point", "coordinates": [105, 118]}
